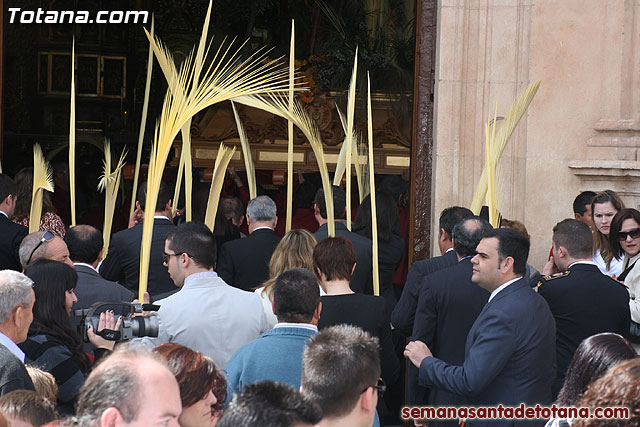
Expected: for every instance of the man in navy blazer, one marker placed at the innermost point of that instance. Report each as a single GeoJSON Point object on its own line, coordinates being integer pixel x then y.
{"type": "Point", "coordinates": [510, 350]}
{"type": "Point", "coordinates": [12, 233]}
{"type": "Point", "coordinates": [404, 312]}
{"type": "Point", "coordinates": [448, 305]}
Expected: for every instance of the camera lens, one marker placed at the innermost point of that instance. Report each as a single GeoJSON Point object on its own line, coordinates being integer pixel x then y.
{"type": "Point", "coordinates": [147, 326]}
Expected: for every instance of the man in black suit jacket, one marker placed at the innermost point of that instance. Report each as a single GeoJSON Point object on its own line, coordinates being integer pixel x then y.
{"type": "Point", "coordinates": [16, 314]}
{"type": "Point", "coordinates": [448, 304]}
{"type": "Point", "coordinates": [12, 233]}
{"type": "Point", "coordinates": [510, 350]}
{"type": "Point", "coordinates": [122, 263]}
{"type": "Point", "coordinates": [85, 250]}
{"type": "Point", "coordinates": [404, 312]}
{"type": "Point", "coordinates": [583, 301]}
{"type": "Point", "coordinates": [362, 279]}
{"type": "Point", "coordinates": [244, 263]}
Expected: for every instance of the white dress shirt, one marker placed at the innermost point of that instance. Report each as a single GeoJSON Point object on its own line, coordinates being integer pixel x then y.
{"type": "Point", "coordinates": [11, 346]}
{"type": "Point", "coordinates": [501, 287]}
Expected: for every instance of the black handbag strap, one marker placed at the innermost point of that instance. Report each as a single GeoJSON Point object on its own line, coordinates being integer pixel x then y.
{"type": "Point", "coordinates": [624, 274]}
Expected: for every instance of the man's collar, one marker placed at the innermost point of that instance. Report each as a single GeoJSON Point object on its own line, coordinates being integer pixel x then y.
{"type": "Point", "coordinates": [585, 262]}
{"type": "Point", "coordinates": [161, 217]}
{"type": "Point", "coordinates": [296, 325]}
{"type": "Point", "coordinates": [502, 287]}
{"type": "Point", "coordinates": [11, 346]}
{"type": "Point", "coordinates": [4, 213]}
{"type": "Point", "coordinates": [84, 264]}
{"type": "Point", "coordinates": [262, 228]}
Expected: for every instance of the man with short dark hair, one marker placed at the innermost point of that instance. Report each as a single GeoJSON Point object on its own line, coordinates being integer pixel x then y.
{"type": "Point", "coordinates": [340, 372]}
{"type": "Point", "coordinates": [582, 208]}
{"type": "Point", "coordinates": [510, 350]}
{"type": "Point", "coordinates": [206, 314]}
{"type": "Point", "coordinates": [277, 354]}
{"type": "Point", "coordinates": [85, 250]}
{"type": "Point", "coordinates": [244, 263]}
{"type": "Point", "coordinates": [362, 279]}
{"type": "Point", "coordinates": [43, 244]}
{"type": "Point", "coordinates": [122, 263]}
{"type": "Point", "coordinates": [16, 313]}
{"type": "Point", "coordinates": [233, 210]}
{"type": "Point", "coordinates": [130, 387]}
{"type": "Point", "coordinates": [12, 233]}
{"type": "Point", "coordinates": [269, 404]}
{"type": "Point", "coordinates": [448, 304]}
{"type": "Point", "coordinates": [404, 312]}
{"type": "Point", "coordinates": [583, 301]}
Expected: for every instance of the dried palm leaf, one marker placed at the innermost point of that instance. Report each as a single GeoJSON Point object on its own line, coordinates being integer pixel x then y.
{"type": "Point", "coordinates": [72, 136]}
{"type": "Point", "coordinates": [227, 77]}
{"type": "Point", "coordinates": [292, 59]}
{"type": "Point", "coordinates": [492, 199]}
{"type": "Point", "coordinates": [246, 153]}
{"type": "Point", "coordinates": [372, 187]}
{"type": "Point", "coordinates": [517, 110]}
{"type": "Point", "coordinates": [276, 105]}
{"type": "Point", "coordinates": [42, 181]}
{"type": "Point", "coordinates": [143, 124]}
{"type": "Point", "coordinates": [351, 107]}
{"type": "Point", "coordinates": [109, 183]}
{"type": "Point", "coordinates": [222, 161]}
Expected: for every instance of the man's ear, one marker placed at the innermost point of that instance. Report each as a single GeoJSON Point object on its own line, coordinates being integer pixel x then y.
{"type": "Point", "coordinates": [507, 264]}
{"type": "Point", "coordinates": [561, 251]}
{"type": "Point", "coordinates": [275, 222]}
{"type": "Point", "coordinates": [100, 254]}
{"type": "Point", "coordinates": [273, 307]}
{"type": "Point", "coordinates": [111, 417]}
{"type": "Point", "coordinates": [577, 216]}
{"type": "Point", "coordinates": [443, 235]}
{"type": "Point", "coordinates": [317, 311]}
{"type": "Point", "coordinates": [167, 207]}
{"type": "Point", "coordinates": [368, 400]}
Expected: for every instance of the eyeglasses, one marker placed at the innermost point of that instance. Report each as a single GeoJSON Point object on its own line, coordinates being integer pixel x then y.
{"type": "Point", "coordinates": [634, 234]}
{"type": "Point", "coordinates": [46, 237]}
{"type": "Point", "coordinates": [381, 387]}
{"type": "Point", "coordinates": [165, 256]}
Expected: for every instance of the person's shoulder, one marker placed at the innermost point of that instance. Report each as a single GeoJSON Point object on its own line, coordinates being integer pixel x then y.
{"type": "Point", "coordinates": [546, 282]}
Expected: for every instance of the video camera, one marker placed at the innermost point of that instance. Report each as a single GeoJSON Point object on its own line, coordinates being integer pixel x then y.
{"type": "Point", "coordinates": [132, 326]}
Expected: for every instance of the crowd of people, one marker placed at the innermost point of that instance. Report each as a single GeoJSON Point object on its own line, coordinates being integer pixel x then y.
{"type": "Point", "coordinates": [257, 327]}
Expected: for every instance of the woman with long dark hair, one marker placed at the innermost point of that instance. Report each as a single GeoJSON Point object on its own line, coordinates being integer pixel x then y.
{"type": "Point", "coordinates": [591, 360]}
{"type": "Point", "coordinates": [52, 342]}
{"type": "Point", "coordinates": [604, 206]}
{"type": "Point", "coordinates": [390, 244]}
{"type": "Point", "coordinates": [50, 220]}
{"type": "Point", "coordinates": [203, 389]}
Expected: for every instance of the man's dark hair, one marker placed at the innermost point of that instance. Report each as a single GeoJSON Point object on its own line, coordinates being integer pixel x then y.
{"type": "Point", "coordinates": [338, 365]}
{"type": "Point", "coordinates": [335, 258]}
{"type": "Point", "coordinates": [451, 216]}
{"type": "Point", "coordinates": [196, 240]}
{"type": "Point", "coordinates": [7, 186]}
{"type": "Point", "coordinates": [232, 207]}
{"type": "Point", "coordinates": [511, 243]}
{"type": "Point", "coordinates": [296, 296]}
{"type": "Point", "coordinates": [28, 406]}
{"type": "Point", "coordinates": [339, 202]}
{"type": "Point", "coordinates": [269, 404]}
{"type": "Point", "coordinates": [575, 236]}
{"type": "Point", "coordinates": [581, 201]}
{"type": "Point", "coordinates": [467, 234]}
{"type": "Point", "coordinates": [165, 194]}
{"type": "Point", "coordinates": [84, 243]}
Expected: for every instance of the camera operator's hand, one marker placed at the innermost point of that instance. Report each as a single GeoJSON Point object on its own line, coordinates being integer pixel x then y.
{"type": "Point", "coordinates": [107, 321]}
{"type": "Point", "coordinates": [146, 300]}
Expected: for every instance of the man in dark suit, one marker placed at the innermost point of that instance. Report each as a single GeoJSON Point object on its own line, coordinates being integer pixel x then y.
{"type": "Point", "coordinates": [583, 301]}
{"type": "Point", "coordinates": [85, 250]}
{"type": "Point", "coordinates": [510, 350]}
{"type": "Point", "coordinates": [122, 263]}
{"type": "Point", "coordinates": [362, 279]}
{"type": "Point", "coordinates": [448, 304]}
{"type": "Point", "coordinates": [16, 314]}
{"type": "Point", "coordinates": [244, 263]}
{"type": "Point", "coordinates": [404, 312]}
{"type": "Point", "coordinates": [12, 233]}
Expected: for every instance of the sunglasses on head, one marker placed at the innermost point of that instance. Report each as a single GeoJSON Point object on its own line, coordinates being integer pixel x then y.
{"type": "Point", "coordinates": [634, 234]}
{"type": "Point", "coordinates": [46, 237]}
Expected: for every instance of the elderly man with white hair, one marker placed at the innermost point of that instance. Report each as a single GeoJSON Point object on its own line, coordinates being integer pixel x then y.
{"type": "Point", "coordinates": [244, 263]}
{"type": "Point", "coordinates": [16, 305]}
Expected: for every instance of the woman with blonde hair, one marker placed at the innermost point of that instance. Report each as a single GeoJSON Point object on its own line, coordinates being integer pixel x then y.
{"type": "Point", "coordinates": [295, 250]}
{"type": "Point", "coordinates": [604, 206]}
